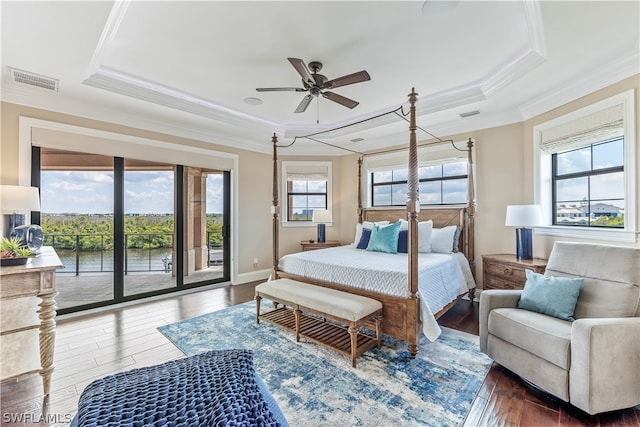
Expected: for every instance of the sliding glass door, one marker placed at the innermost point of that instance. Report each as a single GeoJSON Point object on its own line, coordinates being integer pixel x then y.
{"type": "Point", "coordinates": [204, 226]}
{"type": "Point", "coordinates": [149, 226]}
{"type": "Point", "coordinates": [77, 219]}
{"type": "Point", "coordinates": [127, 229]}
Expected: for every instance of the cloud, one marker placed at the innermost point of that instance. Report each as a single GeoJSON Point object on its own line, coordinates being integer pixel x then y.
{"type": "Point", "coordinates": [145, 192]}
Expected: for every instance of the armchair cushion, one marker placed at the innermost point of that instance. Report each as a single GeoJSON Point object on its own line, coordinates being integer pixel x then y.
{"type": "Point", "coordinates": [546, 337]}
{"type": "Point", "coordinates": [554, 296]}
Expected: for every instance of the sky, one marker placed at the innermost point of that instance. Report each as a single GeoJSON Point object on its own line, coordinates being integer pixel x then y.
{"type": "Point", "coordinates": [146, 192]}
{"type": "Point", "coordinates": [151, 192]}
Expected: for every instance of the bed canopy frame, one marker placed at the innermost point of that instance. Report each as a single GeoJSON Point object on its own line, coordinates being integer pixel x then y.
{"type": "Point", "coordinates": [401, 315]}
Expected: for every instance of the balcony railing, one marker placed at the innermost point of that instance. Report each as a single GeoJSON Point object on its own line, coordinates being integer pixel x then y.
{"type": "Point", "coordinates": [145, 252]}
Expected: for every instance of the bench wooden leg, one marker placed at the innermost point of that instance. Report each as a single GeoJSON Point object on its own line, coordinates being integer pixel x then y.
{"type": "Point", "coordinates": [353, 331]}
{"type": "Point", "coordinates": [378, 331]}
{"type": "Point", "coordinates": [258, 299]}
{"type": "Point", "coordinates": [297, 314]}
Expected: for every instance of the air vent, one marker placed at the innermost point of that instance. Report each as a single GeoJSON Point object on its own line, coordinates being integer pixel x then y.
{"type": "Point", "coordinates": [33, 79]}
{"type": "Point", "coordinates": [357, 139]}
{"type": "Point", "coordinates": [469, 113]}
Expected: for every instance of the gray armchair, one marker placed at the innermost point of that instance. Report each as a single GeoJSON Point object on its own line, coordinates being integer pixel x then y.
{"type": "Point", "coordinates": [593, 362]}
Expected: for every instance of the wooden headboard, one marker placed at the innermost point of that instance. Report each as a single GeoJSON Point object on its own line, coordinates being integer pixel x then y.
{"type": "Point", "coordinates": [441, 217]}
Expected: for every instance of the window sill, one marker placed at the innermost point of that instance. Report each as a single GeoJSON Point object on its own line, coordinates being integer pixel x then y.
{"type": "Point", "coordinates": [588, 233]}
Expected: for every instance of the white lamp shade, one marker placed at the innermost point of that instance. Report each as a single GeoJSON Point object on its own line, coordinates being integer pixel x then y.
{"type": "Point", "coordinates": [523, 216]}
{"type": "Point", "coordinates": [322, 216]}
{"type": "Point", "coordinates": [18, 199]}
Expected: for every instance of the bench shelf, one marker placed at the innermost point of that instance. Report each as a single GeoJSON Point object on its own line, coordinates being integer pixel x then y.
{"type": "Point", "coordinates": [320, 331]}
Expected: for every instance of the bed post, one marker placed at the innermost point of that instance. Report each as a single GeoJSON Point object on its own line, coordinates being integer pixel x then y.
{"type": "Point", "coordinates": [413, 203]}
{"type": "Point", "coordinates": [471, 211]}
{"type": "Point", "coordinates": [275, 209]}
{"type": "Point", "coordinates": [360, 213]}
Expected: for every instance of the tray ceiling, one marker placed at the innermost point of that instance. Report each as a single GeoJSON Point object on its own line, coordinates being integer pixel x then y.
{"type": "Point", "coordinates": [186, 68]}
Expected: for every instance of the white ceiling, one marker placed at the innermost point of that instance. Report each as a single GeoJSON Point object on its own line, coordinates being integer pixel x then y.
{"type": "Point", "coordinates": [185, 68]}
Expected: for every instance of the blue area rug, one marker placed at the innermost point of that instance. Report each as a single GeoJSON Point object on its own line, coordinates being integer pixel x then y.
{"type": "Point", "coordinates": [315, 386]}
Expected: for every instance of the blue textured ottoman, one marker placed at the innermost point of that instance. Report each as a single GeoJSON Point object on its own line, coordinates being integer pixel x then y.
{"type": "Point", "coordinates": [217, 388]}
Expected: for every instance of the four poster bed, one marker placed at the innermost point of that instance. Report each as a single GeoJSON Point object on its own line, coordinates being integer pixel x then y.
{"type": "Point", "coordinates": [414, 288]}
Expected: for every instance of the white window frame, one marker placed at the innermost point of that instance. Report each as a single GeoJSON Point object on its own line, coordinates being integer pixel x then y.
{"type": "Point", "coordinates": [542, 174]}
{"type": "Point", "coordinates": [287, 166]}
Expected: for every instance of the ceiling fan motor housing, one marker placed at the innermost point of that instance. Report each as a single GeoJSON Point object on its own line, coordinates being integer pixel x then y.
{"type": "Point", "coordinates": [319, 79]}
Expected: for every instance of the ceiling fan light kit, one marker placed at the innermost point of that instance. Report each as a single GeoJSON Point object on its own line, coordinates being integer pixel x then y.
{"type": "Point", "coordinates": [317, 84]}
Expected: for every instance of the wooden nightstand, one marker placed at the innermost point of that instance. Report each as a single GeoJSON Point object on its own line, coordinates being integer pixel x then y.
{"type": "Point", "coordinates": [506, 271]}
{"type": "Point", "coordinates": [307, 246]}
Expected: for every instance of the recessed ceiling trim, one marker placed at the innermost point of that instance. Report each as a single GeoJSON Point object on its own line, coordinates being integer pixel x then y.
{"type": "Point", "coordinates": [124, 84]}
{"type": "Point", "coordinates": [517, 68]}
{"type": "Point", "coordinates": [445, 100]}
{"type": "Point", "coordinates": [525, 61]}
{"type": "Point", "coordinates": [118, 11]}
{"type": "Point", "coordinates": [533, 13]}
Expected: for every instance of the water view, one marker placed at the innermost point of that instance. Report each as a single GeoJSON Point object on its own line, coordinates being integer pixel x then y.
{"type": "Point", "coordinates": [137, 260]}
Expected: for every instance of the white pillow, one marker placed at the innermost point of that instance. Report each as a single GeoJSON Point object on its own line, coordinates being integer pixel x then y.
{"type": "Point", "coordinates": [365, 224]}
{"type": "Point", "coordinates": [424, 233]}
{"type": "Point", "coordinates": [425, 236]}
{"type": "Point", "coordinates": [442, 239]}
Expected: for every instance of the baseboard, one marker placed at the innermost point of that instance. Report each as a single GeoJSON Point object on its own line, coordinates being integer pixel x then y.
{"type": "Point", "coordinates": [251, 277]}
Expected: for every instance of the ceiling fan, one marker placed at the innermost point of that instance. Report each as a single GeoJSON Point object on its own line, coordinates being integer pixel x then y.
{"type": "Point", "coordinates": [316, 84]}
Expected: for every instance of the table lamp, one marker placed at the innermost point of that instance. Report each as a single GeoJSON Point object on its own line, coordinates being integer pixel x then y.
{"type": "Point", "coordinates": [15, 201]}
{"type": "Point", "coordinates": [523, 216]}
{"type": "Point", "coordinates": [321, 217]}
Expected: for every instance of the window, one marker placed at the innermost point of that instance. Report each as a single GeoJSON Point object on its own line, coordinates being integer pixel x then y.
{"type": "Point", "coordinates": [585, 171]}
{"type": "Point", "coordinates": [307, 186]}
{"type": "Point", "coordinates": [440, 184]}
{"type": "Point", "coordinates": [588, 185]}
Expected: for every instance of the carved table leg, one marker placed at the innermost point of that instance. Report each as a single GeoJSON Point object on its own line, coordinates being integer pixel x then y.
{"type": "Point", "coordinates": [47, 314]}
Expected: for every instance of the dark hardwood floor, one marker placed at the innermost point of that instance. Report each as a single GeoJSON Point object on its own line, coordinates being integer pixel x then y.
{"type": "Point", "coordinates": [506, 400]}
{"type": "Point", "coordinates": [95, 345]}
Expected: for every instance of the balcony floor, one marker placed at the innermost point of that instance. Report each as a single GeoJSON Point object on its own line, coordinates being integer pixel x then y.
{"type": "Point", "coordinates": [87, 288]}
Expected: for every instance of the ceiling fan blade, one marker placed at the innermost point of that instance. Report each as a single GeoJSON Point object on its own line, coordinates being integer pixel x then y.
{"type": "Point", "coordinates": [280, 89]}
{"type": "Point", "coordinates": [302, 69]}
{"type": "Point", "coordinates": [304, 104]}
{"type": "Point", "coordinates": [349, 103]}
{"type": "Point", "coordinates": [360, 76]}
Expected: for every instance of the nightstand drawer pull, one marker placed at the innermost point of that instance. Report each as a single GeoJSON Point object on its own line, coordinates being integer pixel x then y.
{"type": "Point", "coordinates": [507, 271]}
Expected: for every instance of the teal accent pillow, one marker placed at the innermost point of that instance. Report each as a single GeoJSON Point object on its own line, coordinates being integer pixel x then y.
{"type": "Point", "coordinates": [553, 296]}
{"type": "Point", "coordinates": [384, 238]}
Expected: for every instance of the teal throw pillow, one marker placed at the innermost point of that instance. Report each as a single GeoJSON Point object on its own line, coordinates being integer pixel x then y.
{"type": "Point", "coordinates": [553, 296]}
{"type": "Point", "coordinates": [384, 238]}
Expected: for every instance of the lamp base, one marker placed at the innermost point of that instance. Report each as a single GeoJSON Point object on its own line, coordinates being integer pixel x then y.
{"type": "Point", "coordinates": [321, 233]}
{"type": "Point", "coordinates": [11, 221]}
{"type": "Point", "coordinates": [524, 246]}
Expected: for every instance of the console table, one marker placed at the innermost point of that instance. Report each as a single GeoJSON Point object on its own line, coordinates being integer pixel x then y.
{"type": "Point", "coordinates": [27, 334]}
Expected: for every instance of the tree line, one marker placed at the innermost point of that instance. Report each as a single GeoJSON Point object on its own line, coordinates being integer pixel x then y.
{"type": "Point", "coordinates": [95, 232]}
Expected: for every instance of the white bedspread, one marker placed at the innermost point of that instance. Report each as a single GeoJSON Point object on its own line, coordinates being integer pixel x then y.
{"type": "Point", "coordinates": [441, 277]}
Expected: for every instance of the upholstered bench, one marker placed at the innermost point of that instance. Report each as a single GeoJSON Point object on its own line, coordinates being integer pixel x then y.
{"type": "Point", "coordinates": [306, 308]}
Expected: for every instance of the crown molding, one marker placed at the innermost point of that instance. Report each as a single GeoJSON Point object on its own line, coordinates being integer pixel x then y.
{"type": "Point", "coordinates": [621, 67]}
